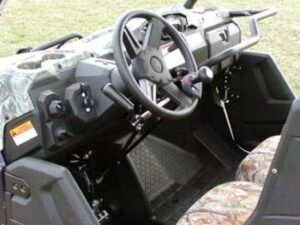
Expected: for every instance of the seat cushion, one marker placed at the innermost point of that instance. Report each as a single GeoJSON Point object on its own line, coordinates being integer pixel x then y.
{"type": "Point", "coordinates": [255, 167]}
{"type": "Point", "coordinates": [227, 204]}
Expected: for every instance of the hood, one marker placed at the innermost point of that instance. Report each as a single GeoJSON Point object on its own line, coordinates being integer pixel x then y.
{"type": "Point", "coordinates": [2, 5]}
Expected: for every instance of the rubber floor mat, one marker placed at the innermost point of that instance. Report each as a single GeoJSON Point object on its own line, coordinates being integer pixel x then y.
{"type": "Point", "coordinates": [172, 178]}
{"type": "Point", "coordinates": [161, 165]}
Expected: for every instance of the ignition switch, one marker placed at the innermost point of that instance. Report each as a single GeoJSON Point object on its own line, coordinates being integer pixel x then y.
{"type": "Point", "coordinates": [57, 108]}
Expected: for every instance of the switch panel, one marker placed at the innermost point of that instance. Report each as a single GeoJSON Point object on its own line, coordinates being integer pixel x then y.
{"type": "Point", "coordinates": [82, 104]}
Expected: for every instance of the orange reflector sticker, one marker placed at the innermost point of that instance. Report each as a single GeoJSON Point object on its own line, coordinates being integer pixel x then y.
{"type": "Point", "coordinates": [23, 133]}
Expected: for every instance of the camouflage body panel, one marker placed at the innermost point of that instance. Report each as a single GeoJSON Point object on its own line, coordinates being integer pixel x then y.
{"type": "Point", "coordinates": [227, 204]}
{"type": "Point", "coordinates": [17, 77]}
{"type": "Point", "coordinates": [98, 43]}
{"type": "Point", "coordinates": [18, 72]}
{"type": "Point", "coordinates": [255, 167]}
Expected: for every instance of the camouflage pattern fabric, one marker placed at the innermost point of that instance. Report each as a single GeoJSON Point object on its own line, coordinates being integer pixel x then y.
{"type": "Point", "coordinates": [227, 204]}
{"type": "Point", "coordinates": [256, 165]}
{"type": "Point", "coordinates": [17, 77]}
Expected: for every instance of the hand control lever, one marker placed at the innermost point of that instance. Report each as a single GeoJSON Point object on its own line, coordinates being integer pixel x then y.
{"type": "Point", "coordinates": [205, 75]}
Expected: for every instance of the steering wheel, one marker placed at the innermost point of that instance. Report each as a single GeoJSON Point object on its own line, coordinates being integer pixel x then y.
{"type": "Point", "coordinates": [146, 75]}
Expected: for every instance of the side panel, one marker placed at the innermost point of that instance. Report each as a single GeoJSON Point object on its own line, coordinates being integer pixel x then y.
{"type": "Point", "coordinates": [259, 98]}
{"type": "Point", "coordinates": [54, 196]}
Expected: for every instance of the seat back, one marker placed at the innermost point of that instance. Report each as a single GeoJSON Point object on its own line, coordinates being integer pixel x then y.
{"type": "Point", "coordinates": [280, 199]}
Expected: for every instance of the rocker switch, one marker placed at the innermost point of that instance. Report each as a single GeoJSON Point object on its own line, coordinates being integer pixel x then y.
{"type": "Point", "coordinates": [84, 88]}
{"type": "Point", "coordinates": [87, 101]}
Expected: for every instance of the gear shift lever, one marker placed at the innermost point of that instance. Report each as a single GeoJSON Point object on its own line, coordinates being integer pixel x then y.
{"type": "Point", "coordinates": [205, 75]}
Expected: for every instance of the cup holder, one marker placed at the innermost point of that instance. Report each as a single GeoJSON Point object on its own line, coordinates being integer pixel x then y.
{"type": "Point", "coordinates": [53, 56]}
{"type": "Point", "coordinates": [38, 64]}
{"type": "Point", "coordinates": [30, 65]}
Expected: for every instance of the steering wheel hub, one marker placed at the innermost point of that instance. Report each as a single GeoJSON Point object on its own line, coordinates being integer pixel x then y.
{"type": "Point", "coordinates": [156, 64]}
{"type": "Point", "coordinates": [149, 64]}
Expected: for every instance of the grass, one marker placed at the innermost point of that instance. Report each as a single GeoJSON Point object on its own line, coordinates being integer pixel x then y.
{"type": "Point", "coordinates": [31, 22]}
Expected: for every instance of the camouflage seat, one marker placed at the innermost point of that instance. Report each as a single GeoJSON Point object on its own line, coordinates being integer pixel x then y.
{"type": "Point", "coordinates": [256, 165]}
{"type": "Point", "coordinates": [227, 204]}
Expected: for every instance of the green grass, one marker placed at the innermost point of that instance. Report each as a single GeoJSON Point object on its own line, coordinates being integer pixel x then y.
{"type": "Point", "coordinates": [31, 22]}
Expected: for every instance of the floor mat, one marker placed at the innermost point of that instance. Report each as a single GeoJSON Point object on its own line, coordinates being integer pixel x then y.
{"type": "Point", "coordinates": [160, 165]}
{"type": "Point", "coordinates": [172, 178]}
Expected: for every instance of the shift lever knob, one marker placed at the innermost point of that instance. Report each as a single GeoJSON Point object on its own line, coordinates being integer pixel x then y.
{"type": "Point", "coordinates": [205, 75]}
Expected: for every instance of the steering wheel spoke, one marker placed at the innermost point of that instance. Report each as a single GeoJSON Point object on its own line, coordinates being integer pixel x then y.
{"type": "Point", "coordinates": [132, 45]}
{"type": "Point", "coordinates": [149, 89]}
{"type": "Point", "coordinates": [147, 76]}
{"type": "Point", "coordinates": [153, 34]}
{"type": "Point", "coordinates": [176, 95]}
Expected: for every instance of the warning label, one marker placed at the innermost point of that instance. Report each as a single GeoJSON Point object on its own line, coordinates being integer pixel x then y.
{"type": "Point", "coordinates": [23, 133]}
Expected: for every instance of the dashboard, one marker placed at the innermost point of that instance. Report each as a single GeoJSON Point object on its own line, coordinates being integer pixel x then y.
{"type": "Point", "coordinates": [66, 103]}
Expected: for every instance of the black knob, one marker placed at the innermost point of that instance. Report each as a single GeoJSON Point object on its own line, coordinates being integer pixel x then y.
{"type": "Point", "coordinates": [56, 108]}
{"type": "Point", "coordinates": [189, 81]}
{"type": "Point", "coordinates": [205, 75]}
{"type": "Point", "coordinates": [62, 134]}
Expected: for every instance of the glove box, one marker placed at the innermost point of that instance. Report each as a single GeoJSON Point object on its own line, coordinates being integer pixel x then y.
{"type": "Point", "coordinates": [222, 38]}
